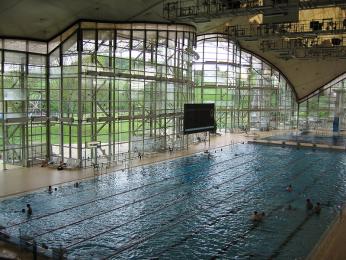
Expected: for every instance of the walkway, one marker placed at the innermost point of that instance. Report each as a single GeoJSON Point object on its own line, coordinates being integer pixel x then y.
{"type": "Point", "coordinates": [332, 244]}
{"type": "Point", "coordinates": [20, 179]}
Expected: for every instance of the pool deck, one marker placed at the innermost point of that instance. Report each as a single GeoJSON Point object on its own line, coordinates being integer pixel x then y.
{"type": "Point", "coordinates": [20, 180]}
{"type": "Point", "coordinates": [332, 244]}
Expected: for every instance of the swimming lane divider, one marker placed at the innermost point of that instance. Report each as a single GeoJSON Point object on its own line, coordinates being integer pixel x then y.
{"type": "Point", "coordinates": [116, 194]}
{"type": "Point", "coordinates": [277, 251]}
{"type": "Point", "coordinates": [141, 200]}
{"type": "Point", "coordinates": [60, 195]}
{"type": "Point", "coordinates": [219, 218]}
{"type": "Point", "coordinates": [171, 203]}
{"type": "Point", "coordinates": [183, 240]}
{"type": "Point", "coordinates": [243, 236]}
{"type": "Point", "coordinates": [197, 211]}
{"type": "Point", "coordinates": [289, 237]}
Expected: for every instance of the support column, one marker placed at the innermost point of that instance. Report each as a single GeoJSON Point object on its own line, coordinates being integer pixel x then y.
{"type": "Point", "coordinates": [79, 100]}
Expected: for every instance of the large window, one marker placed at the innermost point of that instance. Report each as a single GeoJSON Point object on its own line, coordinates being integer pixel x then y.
{"type": "Point", "coordinates": [248, 93]}
{"type": "Point", "coordinates": [319, 110]}
{"type": "Point", "coordinates": [123, 87]}
{"type": "Point", "coordinates": [23, 102]}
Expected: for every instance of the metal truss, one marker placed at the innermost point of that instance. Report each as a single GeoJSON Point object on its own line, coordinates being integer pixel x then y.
{"type": "Point", "coordinates": [204, 10]}
{"type": "Point", "coordinates": [306, 39]}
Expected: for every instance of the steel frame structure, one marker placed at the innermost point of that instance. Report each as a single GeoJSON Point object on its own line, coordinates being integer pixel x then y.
{"type": "Point", "coordinates": [248, 93]}
{"type": "Point", "coordinates": [204, 10]}
{"type": "Point", "coordinates": [123, 86]}
{"type": "Point", "coordinates": [296, 40]}
{"type": "Point", "coordinates": [317, 111]}
{"type": "Point", "coordinates": [325, 27]}
{"type": "Point", "coordinates": [23, 101]}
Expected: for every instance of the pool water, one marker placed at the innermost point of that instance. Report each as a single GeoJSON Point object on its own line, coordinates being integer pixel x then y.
{"type": "Point", "coordinates": [309, 138]}
{"type": "Point", "coordinates": [190, 208]}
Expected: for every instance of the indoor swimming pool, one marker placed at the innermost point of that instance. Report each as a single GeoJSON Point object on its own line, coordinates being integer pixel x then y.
{"type": "Point", "coordinates": [309, 138]}
{"type": "Point", "coordinates": [196, 207]}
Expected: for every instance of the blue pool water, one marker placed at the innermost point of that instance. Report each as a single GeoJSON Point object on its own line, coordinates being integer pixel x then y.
{"type": "Point", "coordinates": [309, 138]}
{"type": "Point", "coordinates": [190, 208]}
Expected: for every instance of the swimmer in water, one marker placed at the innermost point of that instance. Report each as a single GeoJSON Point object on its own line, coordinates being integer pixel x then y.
{"type": "Point", "coordinates": [317, 208]}
{"type": "Point", "coordinates": [309, 205]}
{"type": "Point", "coordinates": [289, 188]}
{"type": "Point", "coordinates": [256, 217]}
{"type": "Point", "coordinates": [29, 210]}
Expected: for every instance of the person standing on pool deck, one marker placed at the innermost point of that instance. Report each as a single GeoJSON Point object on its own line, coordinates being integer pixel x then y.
{"type": "Point", "coordinates": [309, 205]}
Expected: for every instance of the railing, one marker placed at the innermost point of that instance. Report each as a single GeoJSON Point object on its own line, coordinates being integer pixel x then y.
{"type": "Point", "coordinates": [305, 48]}
{"type": "Point", "coordinates": [202, 10]}
{"type": "Point", "coordinates": [301, 28]}
{"type": "Point", "coordinates": [282, 44]}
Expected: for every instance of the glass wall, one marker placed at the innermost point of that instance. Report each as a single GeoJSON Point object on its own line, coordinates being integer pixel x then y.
{"type": "Point", "coordinates": [105, 92]}
{"type": "Point", "coordinates": [248, 93]}
{"type": "Point", "coordinates": [23, 102]}
{"type": "Point", "coordinates": [119, 90]}
{"type": "Point", "coordinates": [319, 111]}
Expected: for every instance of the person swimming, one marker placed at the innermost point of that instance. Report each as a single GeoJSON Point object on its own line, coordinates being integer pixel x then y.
{"type": "Point", "coordinates": [289, 188]}
{"type": "Point", "coordinates": [29, 210]}
{"type": "Point", "coordinates": [309, 205]}
{"type": "Point", "coordinates": [256, 217]}
{"type": "Point", "coordinates": [317, 208]}
{"type": "Point", "coordinates": [50, 190]}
